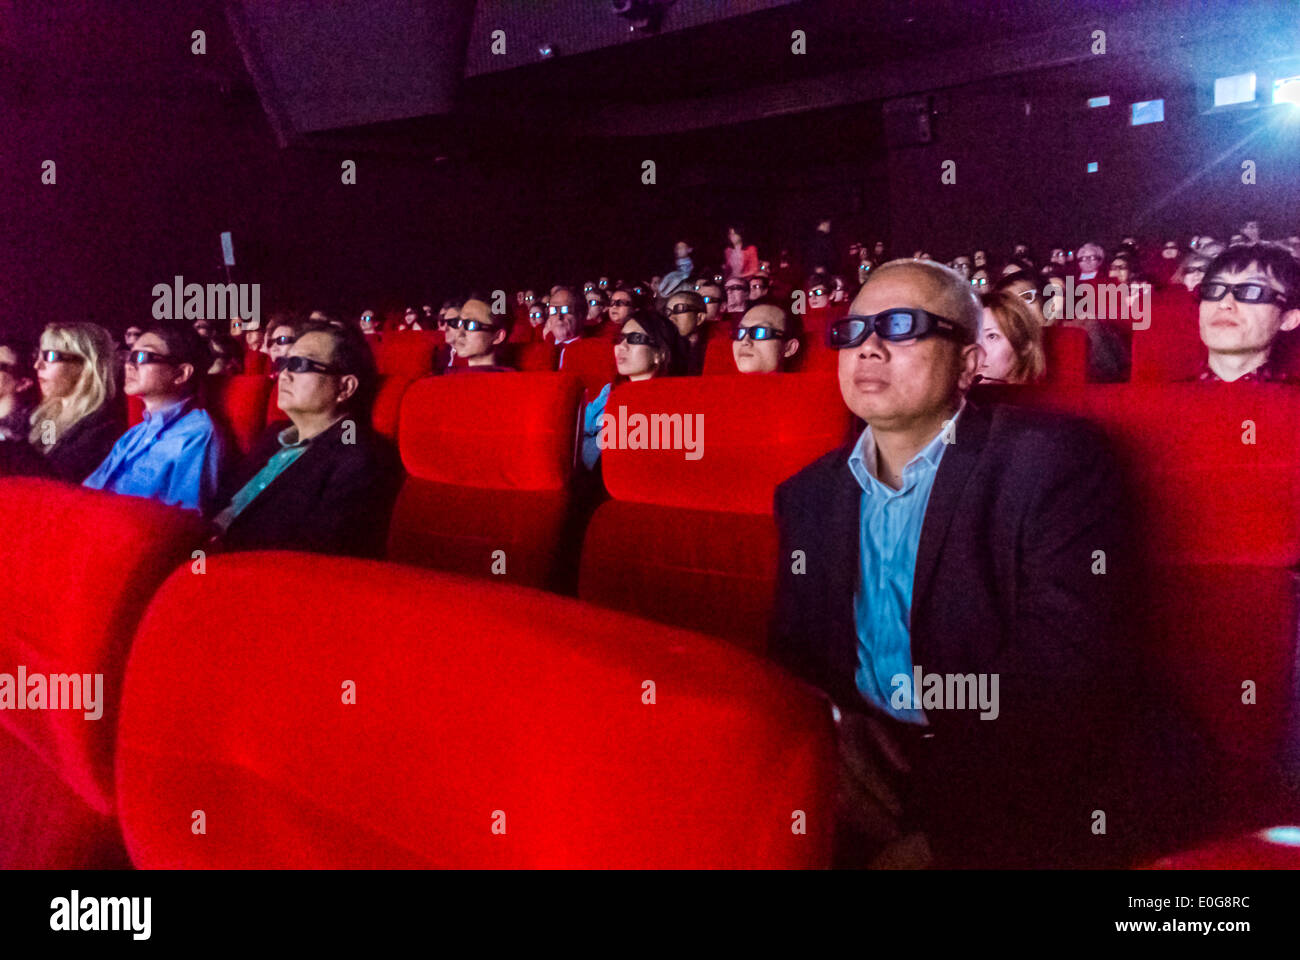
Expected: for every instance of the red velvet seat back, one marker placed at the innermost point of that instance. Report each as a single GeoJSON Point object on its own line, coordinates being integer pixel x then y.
{"type": "Point", "coordinates": [1277, 848]}
{"type": "Point", "coordinates": [489, 458]}
{"type": "Point", "coordinates": [239, 405]}
{"type": "Point", "coordinates": [476, 704]}
{"type": "Point", "coordinates": [535, 357]}
{"type": "Point", "coordinates": [1065, 350]}
{"type": "Point", "coordinates": [693, 542]}
{"type": "Point", "coordinates": [592, 362]}
{"type": "Point", "coordinates": [408, 354]}
{"type": "Point", "coordinates": [83, 565]}
{"type": "Point", "coordinates": [388, 405]}
{"type": "Point", "coordinates": [1170, 350]}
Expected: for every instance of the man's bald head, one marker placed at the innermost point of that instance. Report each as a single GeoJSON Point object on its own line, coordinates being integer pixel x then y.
{"type": "Point", "coordinates": [925, 284]}
{"type": "Point", "coordinates": [770, 355]}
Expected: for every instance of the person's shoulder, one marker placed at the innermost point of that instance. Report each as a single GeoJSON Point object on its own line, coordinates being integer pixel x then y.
{"type": "Point", "coordinates": [817, 476]}
{"type": "Point", "coordinates": [1036, 436]}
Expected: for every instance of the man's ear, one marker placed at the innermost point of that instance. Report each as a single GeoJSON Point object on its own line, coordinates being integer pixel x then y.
{"type": "Point", "coordinates": [499, 338]}
{"type": "Point", "coordinates": [347, 386]}
{"type": "Point", "coordinates": [184, 374]}
{"type": "Point", "coordinates": [1291, 319]}
{"type": "Point", "coordinates": [791, 347]}
{"type": "Point", "coordinates": [969, 363]}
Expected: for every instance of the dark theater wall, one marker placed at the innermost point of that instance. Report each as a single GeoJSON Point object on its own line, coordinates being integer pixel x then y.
{"type": "Point", "coordinates": [1021, 173]}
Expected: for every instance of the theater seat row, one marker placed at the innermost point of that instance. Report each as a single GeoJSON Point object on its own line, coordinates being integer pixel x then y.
{"type": "Point", "coordinates": [363, 714]}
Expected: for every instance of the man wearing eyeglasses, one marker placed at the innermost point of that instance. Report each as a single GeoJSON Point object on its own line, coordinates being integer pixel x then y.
{"type": "Point", "coordinates": [685, 309]}
{"type": "Point", "coordinates": [1249, 297]}
{"type": "Point", "coordinates": [714, 300]}
{"type": "Point", "coordinates": [175, 454]}
{"type": "Point", "coordinates": [764, 340]}
{"type": "Point", "coordinates": [954, 540]}
{"type": "Point", "coordinates": [564, 313]}
{"type": "Point", "coordinates": [327, 482]}
{"type": "Point", "coordinates": [477, 336]}
{"type": "Point", "coordinates": [1091, 258]}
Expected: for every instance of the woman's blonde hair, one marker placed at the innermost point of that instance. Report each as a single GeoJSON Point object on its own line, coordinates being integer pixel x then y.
{"type": "Point", "coordinates": [96, 385]}
{"type": "Point", "coordinates": [1023, 331]}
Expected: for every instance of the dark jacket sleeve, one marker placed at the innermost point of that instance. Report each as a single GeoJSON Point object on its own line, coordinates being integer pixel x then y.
{"type": "Point", "coordinates": [356, 506]}
{"type": "Point", "coordinates": [85, 446]}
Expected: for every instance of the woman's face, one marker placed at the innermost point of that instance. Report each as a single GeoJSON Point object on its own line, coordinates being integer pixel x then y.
{"type": "Point", "coordinates": [58, 378]}
{"type": "Point", "coordinates": [997, 356]}
{"type": "Point", "coordinates": [620, 306]}
{"type": "Point", "coordinates": [1119, 270]}
{"type": "Point", "coordinates": [634, 361]}
{"type": "Point", "coordinates": [733, 237]}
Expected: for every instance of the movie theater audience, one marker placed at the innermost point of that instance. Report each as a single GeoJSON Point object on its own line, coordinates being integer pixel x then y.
{"type": "Point", "coordinates": [912, 537]}
{"type": "Point", "coordinates": [17, 389]}
{"type": "Point", "coordinates": [79, 417]}
{"type": "Point", "coordinates": [327, 482]}
{"type": "Point", "coordinates": [175, 454]}
{"type": "Point", "coordinates": [648, 346]}
{"type": "Point", "coordinates": [1249, 297]}
{"type": "Point", "coordinates": [1010, 339]}
{"type": "Point", "coordinates": [478, 338]}
{"type": "Point", "coordinates": [765, 339]}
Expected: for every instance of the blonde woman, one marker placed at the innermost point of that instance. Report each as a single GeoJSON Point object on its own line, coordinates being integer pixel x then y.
{"type": "Point", "coordinates": [77, 420]}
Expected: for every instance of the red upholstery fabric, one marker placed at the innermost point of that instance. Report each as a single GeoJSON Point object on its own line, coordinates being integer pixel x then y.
{"type": "Point", "coordinates": [592, 362]}
{"type": "Point", "coordinates": [494, 480]}
{"type": "Point", "coordinates": [535, 357]}
{"type": "Point", "coordinates": [74, 611]}
{"type": "Point", "coordinates": [700, 569]}
{"type": "Point", "coordinates": [1066, 352]}
{"type": "Point", "coordinates": [388, 405]}
{"type": "Point", "coordinates": [531, 704]}
{"type": "Point", "coordinates": [408, 354]}
{"type": "Point", "coordinates": [718, 355]}
{"type": "Point", "coordinates": [45, 824]}
{"type": "Point", "coordinates": [742, 462]}
{"type": "Point", "coordinates": [239, 405]}
{"type": "Point", "coordinates": [1274, 849]}
{"type": "Point", "coordinates": [1170, 350]}
{"type": "Point", "coordinates": [814, 357]}
{"type": "Point", "coordinates": [256, 363]}
{"type": "Point", "coordinates": [1207, 497]}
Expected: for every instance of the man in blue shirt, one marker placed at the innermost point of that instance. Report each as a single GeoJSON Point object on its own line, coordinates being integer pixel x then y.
{"type": "Point", "coordinates": [175, 454]}
{"type": "Point", "coordinates": [939, 579]}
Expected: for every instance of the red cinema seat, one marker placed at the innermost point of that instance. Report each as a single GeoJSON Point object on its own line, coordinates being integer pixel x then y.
{"type": "Point", "coordinates": [239, 406]}
{"type": "Point", "coordinates": [1277, 848]}
{"type": "Point", "coordinates": [1065, 351]}
{"type": "Point", "coordinates": [388, 405]}
{"type": "Point", "coordinates": [692, 542]}
{"type": "Point", "coordinates": [492, 727]}
{"type": "Point", "coordinates": [536, 357]}
{"type": "Point", "coordinates": [1206, 496]}
{"type": "Point", "coordinates": [1170, 350]}
{"type": "Point", "coordinates": [592, 362]}
{"type": "Point", "coordinates": [815, 358]}
{"type": "Point", "coordinates": [256, 363]}
{"type": "Point", "coordinates": [408, 354]}
{"type": "Point", "coordinates": [718, 355]}
{"type": "Point", "coordinates": [89, 563]}
{"type": "Point", "coordinates": [489, 459]}
{"type": "Point", "coordinates": [134, 411]}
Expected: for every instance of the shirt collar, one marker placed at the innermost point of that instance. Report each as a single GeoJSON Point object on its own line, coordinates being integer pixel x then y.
{"type": "Point", "coordinates": [862, 461]}
{"type": "Point", "coordinates": [288, 438]}
{"type": "Point", "coordinates": [161, 419]}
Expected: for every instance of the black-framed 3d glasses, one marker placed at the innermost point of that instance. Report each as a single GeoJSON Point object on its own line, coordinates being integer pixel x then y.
{"type": "Point", "coordinates": [57, 356]}
{"type": "Point", "coordinates": [301, 365]}
{"type": "Point", "coordinates": [677, 309]}
{"type": "Point", "coordinates": [470, 326]}
{"type": "Point", "coordinates": [140, 358]}
{"type": "Point", "coordinates": [636, 340]}
{"type": "Point", "coordinates": [1215, 291]}
{"type": "Point", "coordinates": [758, 332]}
{"type": "Point", "coordinates": [901, 323]}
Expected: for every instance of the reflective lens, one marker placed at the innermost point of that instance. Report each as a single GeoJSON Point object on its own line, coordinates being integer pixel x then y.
{"type": "Point", "coordinates": [1241, 292]}
{"type": "Point", "coordinates": [758, 332]}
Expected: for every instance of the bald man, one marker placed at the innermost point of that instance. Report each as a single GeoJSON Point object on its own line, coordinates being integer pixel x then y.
{"type": "Point", "coordinates": [477, 335]}
{"type": "Point", "coordinates": [764, 340]}
{"type": "Point", "coordinates": [945, 593]}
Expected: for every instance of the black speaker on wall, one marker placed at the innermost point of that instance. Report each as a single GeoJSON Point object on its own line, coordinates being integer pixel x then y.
{"type": "Point", "coordinates": [326, 66]}
{"type": "Point", "coordinates": [908, 122]}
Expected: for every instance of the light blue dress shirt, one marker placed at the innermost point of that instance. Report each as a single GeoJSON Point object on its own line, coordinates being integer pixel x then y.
{"type": "Point", "coordinates": [591, 428]}
{"type": "Point", "coordinates": [889, 532]}
{"type": "Point", "coordinates": [173, 456]}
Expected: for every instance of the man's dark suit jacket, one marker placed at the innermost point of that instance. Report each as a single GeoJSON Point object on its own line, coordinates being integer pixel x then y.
{"type": "Point", "coordinates": [1004, 584]}
{"type": "Point", "coordinates": [335, 498]}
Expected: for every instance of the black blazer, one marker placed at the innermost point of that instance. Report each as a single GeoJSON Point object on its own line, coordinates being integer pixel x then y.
{"type": "Point", "coordinates": [1004, 584]}
{"type": "Point", "coordinates": [86, 444]}
{"type": "Point", "coordinates": [336, 498]}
